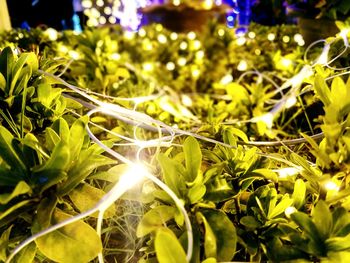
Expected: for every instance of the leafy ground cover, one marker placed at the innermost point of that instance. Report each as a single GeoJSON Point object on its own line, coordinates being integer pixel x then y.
{"type": "Point", "coordinates": [249, 132]}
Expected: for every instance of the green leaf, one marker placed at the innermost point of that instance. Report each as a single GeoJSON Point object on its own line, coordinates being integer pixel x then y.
{"type": "Point", "coordinates": [193, 158]}
{"type": "Point", "coordinates": [45, 211]}
{"type": "Point", "coordinates": [280, 207]}
{"type": "Point", "coordinates": [210, 243]}
{"type": "Point", "coordinates": [299, 193]}
{"type": "Point", "coordinates": [168, 248]}
{"type": "Point", "coordinates": [27, 254]}
{"type": "Point", "coordinates": [60, 126]}
{"type": "Point", "coordinates": [20, 189]}
{"type": "Point", "coordinates": [225, 233]}
{"type": "Point", "coordinates": [173, 174]}
{"type": "Point", "coordinates": [155, 219]}
{"type": "Point", "coordinates": [306, 224]}
{"type": "Point", "coordinates": [209, 260]}
{"type": "Point", "coordinates": [267, 174]}
{"type": "Point", "coordinates": [250, 222]}
{"type": "Point", "coordinates": [76, 138]}
{"type": "Point", "coordinates": [322, 217]}
{"type": "Point", "coordinates": [75, 243]}
{"type": "Point", "coordinates": [7, 59]}
{"type": "Point", "coordinates": [8, 153]}
{"type": "Point", "coordinates": [4, 243]}
{"type": "Point", "coordinates": [196, 193]}
{"type": "Point", "coordinates": [85, 197]}
{"type": "Point", "coordinates": [322, 90]}
{"type": "Point", "coordinates": [338, 243]}
{"type": "Point", "coordinates": [2, 82]}
{"type": "Point", "coordinates": [59, 159]}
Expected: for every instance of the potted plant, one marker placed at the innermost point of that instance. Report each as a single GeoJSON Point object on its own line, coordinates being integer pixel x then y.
{"type": "Point", "coordinates": [316, 18]}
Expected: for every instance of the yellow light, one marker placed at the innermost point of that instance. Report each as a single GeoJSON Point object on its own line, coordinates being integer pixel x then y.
{"type": "Point", "coordinates": [183, 45]}
{"type": "Point", "coordinates": [115, 56]}
{"type": "Point", "coordinates": [221, 32]}
{"type": "Point", "coordinates": [170, 66]}
{"type": "Point", "coordinates": [241, 41]}
{"type": "Point", "coordinates": [173, 36]}
{"type": "Point", "coordinates": [290, 210]}
{"type": "Point", "coordinates": [142, 32]}
{"type": "Point", "coordinates": [73, 54]}
{"type": "Point", "coordinates": [159, 27]}
{"type": "Point", "coordinates": [226, 79]}
{"type": "Point", "coordinates": [162, 39]}
{"type": "Point", "coordinates": [257, 52]}
{"type": "Point", "coordinates": [301, 42]}
{"type": "Point", "coordinates": [147, 45]}
{"type": "Point", "coordinates": [86, 4]}
{"type": "Point", "coordinates": [285, 39]}
{"type": "Point", "coordinates": [129, 35]}
{"type": "Point", "coordinates": [112, 20]}
{"type": "Point", "coordinates": [242, 65]}
{"type": "Point", "coordinates": [107, 10]}
{"type": "Point", "coordinates": [147, 66]}
{"type": "Point", "coordinates": [186, 101]}
{"type": "Point", "coordinates": [51, 34]}
{"type": "Point", "coordinates": [102, 20]}
{"type": "Point", "coordinates": [200, 54]}
{"type": "Point", "coordinates": [251, 34]}
{"type": "Point", "coordinates": [197, 44]}
{"type": "Point", "coordinates": [271, 36]}
{"type": "Point", "coordinates": [181, 61]}
{"type": "Point", "coordinates": [196, 73]}
{"type": "Point", "coordinates": [176, 2]}
{"type": "Point", "coordinates": [191, 35]}
{"type": "Point", "coordinates": [331, 186]}
{"type": "Point", "coordinates": [100, 3]}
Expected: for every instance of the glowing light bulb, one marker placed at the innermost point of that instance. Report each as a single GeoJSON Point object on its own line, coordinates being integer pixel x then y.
{"type": "Point", "coordinates": [271, 36]}
{"type": "Point", "coordinates": [191, 35]}
{"type": "Point", "coordinates": [51, 34]}
{"type": "Point", "coordinates": [200, 54]}
{"type": "Point", "coordinates": [301, 42]}
{"type": "Point", "coordinates": [112, 19]}
{"type": "Point", "coordinates": [63, 49]}
{"type": "Point", "coordinates": [142, 32]}
{"type": "Point", "coordinates": [290, 210]}
{"type": "Point", "coordinates": [86, 3]}
{"type": "Point", "coordinates": [285, 39]}
{"type": "Point", "coordinates": [183, 45]}
{"type": "Point", "coordinates": [102, 20]}
{"type": "Point", "coordinates": [257, 52]}
{"type": "Point", "coordinates": [73, 54]}
{"type": "Point", "coordinates": [331, 186]}
{"type": "Point", "coordinates": [107, 10]}
{"type": "Point", "coordinates": [196, 73]}
{"type": "Point", "coordinates": [251, 34]}
{"type": "Point", "coordinates": [241, 41]}
{"type": "Point", "coordinates": [162, 39]}
{"type": "Point", "coordinates": [181, 61]}
{"type": "Point", "coordinates": [186, 101]}
{"type": "Point", "coordinates": [95, 13]}
{"type": "Point", "coordinates": [173, 36]}
{"type": "Point", "coordinates": [159, 27]}
{"type": "Point", "coordinates": [176, 2]}
{"type": "Point", "coordinates": [226, 79]}
{"type": "Point", "coordinates": [288, 171]}
{"type": "Point", "coordinates": [197, 44]}
{"type": "Point", "coordinates": [221, 32]}
{"type": "Point", "coordinates": [100, 3]}
{"type": "Point", "coordinates": [298, 37]}
{"type": "Point", "coordinates": [290, 102]}
{"type": "Point", "coordinates": [147, 66]}
{"type": "Point", "coordinates": [170, 66]}
{"type": "Point", "coordinates": [115, 56]}
{"type": "Point", "coordinates": [242, 65]}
